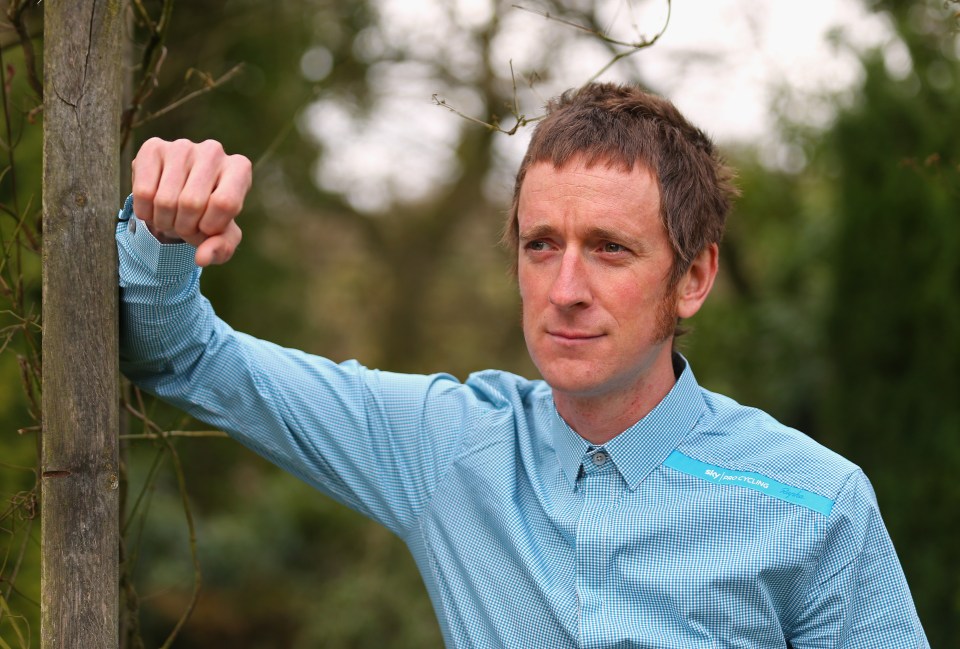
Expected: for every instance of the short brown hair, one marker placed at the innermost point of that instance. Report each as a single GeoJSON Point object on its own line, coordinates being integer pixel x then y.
{"type": "Point", "coordinates": [623, 125]}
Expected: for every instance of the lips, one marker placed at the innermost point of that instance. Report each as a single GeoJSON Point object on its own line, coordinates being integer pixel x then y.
{"type": "Point", "coordinates": [562, 335]}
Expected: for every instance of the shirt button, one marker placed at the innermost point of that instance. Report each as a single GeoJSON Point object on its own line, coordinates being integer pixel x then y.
{"type": "Point", "coordinates": [600, 458]}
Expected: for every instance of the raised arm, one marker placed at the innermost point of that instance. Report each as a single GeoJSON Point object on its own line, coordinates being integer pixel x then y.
{"type": "Point", "coordinates": [376, 441]}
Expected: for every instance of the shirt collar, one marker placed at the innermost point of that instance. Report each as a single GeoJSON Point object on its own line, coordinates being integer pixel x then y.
{"type": "Point", "coordinates": [645, 445]}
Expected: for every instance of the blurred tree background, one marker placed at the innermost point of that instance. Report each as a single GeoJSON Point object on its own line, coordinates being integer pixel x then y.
{"type": "Point", "coordinates": [837, 309]}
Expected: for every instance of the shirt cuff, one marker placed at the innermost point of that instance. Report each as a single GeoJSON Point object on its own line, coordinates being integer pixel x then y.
{"type": "Point", "coordinates": [162, 259]}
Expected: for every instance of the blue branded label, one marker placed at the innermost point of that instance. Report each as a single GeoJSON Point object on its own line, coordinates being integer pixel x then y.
{"type": "Point", "coordinates": [719, 475]}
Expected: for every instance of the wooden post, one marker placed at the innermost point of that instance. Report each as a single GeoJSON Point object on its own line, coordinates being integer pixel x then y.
{"type": "Point", "coordinates": [81, 114]}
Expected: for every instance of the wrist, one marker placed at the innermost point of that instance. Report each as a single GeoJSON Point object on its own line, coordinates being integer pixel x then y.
{"type": "Point", "coordinates": [161, 236]}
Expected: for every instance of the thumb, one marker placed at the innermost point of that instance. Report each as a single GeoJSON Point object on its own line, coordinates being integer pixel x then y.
{"type": "Point", "coordinates": [219, 248]}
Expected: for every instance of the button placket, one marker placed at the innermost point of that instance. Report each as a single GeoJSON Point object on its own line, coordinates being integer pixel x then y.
{"type": "Point", "coordinates": [597, 482]}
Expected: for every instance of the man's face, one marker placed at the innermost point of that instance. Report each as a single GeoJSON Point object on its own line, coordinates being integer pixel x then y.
{"type": "Point", "coordinates": [594, 263]}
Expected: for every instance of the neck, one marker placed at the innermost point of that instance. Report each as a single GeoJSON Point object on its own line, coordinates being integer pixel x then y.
{"type": "Point", "coordinates": [599, 418]}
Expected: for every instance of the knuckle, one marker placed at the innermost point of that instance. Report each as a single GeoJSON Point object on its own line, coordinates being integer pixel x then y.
{"type": "Point", "coordinates": [211, 146]}
{"type": "Point", "coordinates": [182, 147]}
{"type": "Point", "coordinates": [153, 143]}
{"type": "Point", "coordinates": [165, 203]}
{"type": "Point", "coordinates": [190, 205]}
{"type": "Point", "coordinates": [143, 192]}
{"type": "Point", "coordinates": [243, 162]}
{"type": "Point", "coordinates": [226, 205]}
{"type": "Point", "coordinates": [209, 228]}
{"type": "Point", "coordinates": [184, 228]}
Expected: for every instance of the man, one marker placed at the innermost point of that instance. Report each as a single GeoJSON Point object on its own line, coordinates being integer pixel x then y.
{"type": "Point", "coordinates": [614, 504]}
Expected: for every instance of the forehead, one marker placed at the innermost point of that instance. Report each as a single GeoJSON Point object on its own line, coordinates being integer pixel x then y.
{"type": "Point", "coordinates": [598, 192]}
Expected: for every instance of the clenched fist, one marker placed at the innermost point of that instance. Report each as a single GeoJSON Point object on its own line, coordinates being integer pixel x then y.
{"type": "Point", "coordinates": [185, 191]}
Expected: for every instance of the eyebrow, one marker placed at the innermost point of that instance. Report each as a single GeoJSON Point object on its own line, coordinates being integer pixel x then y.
{"type": "Point", "coordinates": [537, 232]}
{"type": "Point", "coordinates": [543, 231]}
{"type": "Point", "coordinates": [605, 234]}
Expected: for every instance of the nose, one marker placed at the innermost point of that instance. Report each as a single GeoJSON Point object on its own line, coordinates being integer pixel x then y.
{"type": "Point", "coordinates": [571, 286]}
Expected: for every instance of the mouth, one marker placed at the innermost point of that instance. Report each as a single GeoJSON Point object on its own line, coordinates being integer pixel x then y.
{"type": "Point", "coordinates": [572, 337]}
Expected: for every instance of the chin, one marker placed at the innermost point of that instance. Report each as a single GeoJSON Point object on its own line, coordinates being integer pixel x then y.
{"type": "Point", "coordinates": [571, 380]}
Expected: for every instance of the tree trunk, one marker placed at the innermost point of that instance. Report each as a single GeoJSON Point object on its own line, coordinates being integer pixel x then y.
{"type": "Point", "coordinates": [82, 91]}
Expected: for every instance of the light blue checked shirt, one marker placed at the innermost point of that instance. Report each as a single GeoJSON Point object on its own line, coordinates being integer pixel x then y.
{"type": "Point", "coordinates": [706, 524]}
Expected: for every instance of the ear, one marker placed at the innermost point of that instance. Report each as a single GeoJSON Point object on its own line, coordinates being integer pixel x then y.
{"type": "Point", "coordinates": [694, 287]}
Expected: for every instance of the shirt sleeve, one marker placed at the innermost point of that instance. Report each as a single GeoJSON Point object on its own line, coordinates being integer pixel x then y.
{"type": "Point", "coordinates": [376, 441]}
{"type": "Point", "coordinates": [857, 595]}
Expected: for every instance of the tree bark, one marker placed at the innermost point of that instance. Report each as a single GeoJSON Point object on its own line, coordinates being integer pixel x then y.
{"type": "Point", "coordinates": [82, 92]}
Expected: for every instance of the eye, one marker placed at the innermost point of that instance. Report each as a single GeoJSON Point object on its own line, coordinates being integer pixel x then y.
{"type": "Point", "coordinates": [537, 245]}
{"type": "Point", "coordinates": [612, 248]}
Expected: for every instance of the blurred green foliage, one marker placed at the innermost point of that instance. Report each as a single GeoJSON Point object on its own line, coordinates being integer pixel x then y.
{"type": "Point", "coordinates": [20, 289]}
{"type": "Point", "coordinates": [836, 310]}
{"type": "Point", "coordinates": [892, 334]}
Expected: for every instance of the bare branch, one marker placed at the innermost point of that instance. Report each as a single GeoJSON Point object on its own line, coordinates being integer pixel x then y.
{"type": "Point", "coordinates": [15, 13]}
{"type": "Point", "coordinates": [166, 434]}
{"type": "Point", "coordinates": [153, 56]}
{"type": "Point", "coordinates": [194, 553]}
{"type": "Point", "coordinates": [188, 514]}
{"type": "Point", "coordinates": [635, 45]}
{"type": "Point", "coordinates": [521, 119]}
{"type": "Point", "coordinates": [210, 84]}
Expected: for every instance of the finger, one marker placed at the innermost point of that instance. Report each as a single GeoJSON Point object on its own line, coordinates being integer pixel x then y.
{"type": "Point", "coordinates": [177, 159]}
{"type": "Point", "coordinates": [208, 162]}
{"type": "Point", "coordinates": [195, 195]}
{"type": "Point", "coordinates": [146, 168]}
{"type": "Point", "coordinates": [226, 201]}
{"type": "Point", "coordinates": [219, 248]}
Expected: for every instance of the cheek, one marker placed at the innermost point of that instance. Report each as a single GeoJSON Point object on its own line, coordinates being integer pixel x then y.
{"type": "Point", "coordinates": [640, 309]}
{"type": "Point", "coordinates": [527, 287]}
{"type": "Point", "coordinates": [531, 308]}
{"type": "Point", "coordinates": [524, 303]}
{"type": "Point", "coordinates": [528, 316]}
